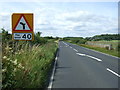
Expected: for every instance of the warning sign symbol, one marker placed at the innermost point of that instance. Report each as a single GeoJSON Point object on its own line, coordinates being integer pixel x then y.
{"type": "Point", "coordinates": [22, 25]}
{"type": "Point", "coordinates": [22, 22]}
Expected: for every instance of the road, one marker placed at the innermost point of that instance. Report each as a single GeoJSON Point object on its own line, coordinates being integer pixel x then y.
{"type": "Point", "coordinates": [79, 67]}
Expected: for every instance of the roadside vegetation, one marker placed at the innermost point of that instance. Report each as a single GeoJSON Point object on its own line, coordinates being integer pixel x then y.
{"type": "Point", "coordinates": [106, 43]}
{"type": "Point", "coordinates": [27, 64]}
{"type": "Point", "coordinates": [75, 40]}
{"type": "Point", "coordinates": [110, 52]}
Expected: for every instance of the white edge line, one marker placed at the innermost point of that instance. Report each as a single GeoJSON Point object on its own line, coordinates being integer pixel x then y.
{"type": "Point", "coordinates": [113, 72]}
{"type": "Point", "coordinates": [99, 52]}
{"type": "Point", "coordinates": [52, 76]}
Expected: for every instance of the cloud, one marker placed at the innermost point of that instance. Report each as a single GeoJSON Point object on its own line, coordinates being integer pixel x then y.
{"type": "Point", "coordinates": [60, 1]}
{"type": "Point", "coordinates": [4, 18]}
{"type": "Point", "coordinates": [83, 23]}
{"type": "Point", "coordinates": [52, 21]}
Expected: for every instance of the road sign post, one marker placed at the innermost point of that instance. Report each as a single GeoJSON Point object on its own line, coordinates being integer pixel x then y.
{"type": "Point", "coordinates": [22, 26]}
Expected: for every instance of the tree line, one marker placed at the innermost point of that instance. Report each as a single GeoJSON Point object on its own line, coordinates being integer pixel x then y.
{"type": "Point", "coordinates": [107, 37]}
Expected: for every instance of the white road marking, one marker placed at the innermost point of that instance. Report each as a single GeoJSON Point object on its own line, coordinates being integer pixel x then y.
{"type": "Point", "coordinates": [70, 47]}
{"type": "Point", "coordinates": [90, 56]}
{"type": "Point", "coordinates": [52, 76]}
{"type": "Point", "coordinates": [101, 52]}
{"type": "Point", "coordinates": [80, 54]}
{"type": "Point", "coordinates": [98, 51]}
{"type": "Point", "coordinates": [75, 50]}
{"type": "Point", "coordinates": [113, 72]}
{"type": "Point", "coordinates": [65, 43]}
{"type": "Point", "coordinates": [95, 58]}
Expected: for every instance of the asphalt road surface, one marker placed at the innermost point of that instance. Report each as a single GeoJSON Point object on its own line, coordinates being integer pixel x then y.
{"type": "Point", "coordinates": [78, 67]}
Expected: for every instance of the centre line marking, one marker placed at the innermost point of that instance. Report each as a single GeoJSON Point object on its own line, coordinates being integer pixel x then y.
{"type": "Point", "coordinates": [90, 56]}
{"type": "Point", "coordinates": [75, 50]}
{"type": "Point", "coordinates": [80, 54]}
{"type": "Point", "coordinates": [94, 58]}
{"type": "Point", "coordinates": [113, 72]}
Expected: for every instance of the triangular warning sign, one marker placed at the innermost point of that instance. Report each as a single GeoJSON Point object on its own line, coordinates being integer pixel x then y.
{"type": "Point", "coordinates": [22, 24]}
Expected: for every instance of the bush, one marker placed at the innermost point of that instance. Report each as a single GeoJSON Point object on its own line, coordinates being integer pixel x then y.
{"type": "Point", "coordinates": [118, 47]}
{"type": "Point", "coordinates": [82, 41]}
{"type": "Point", "coordinates": [27, 67]}
{"type": "Point", "coordinates": [25, 64]}
{"type": "Point", "coordinates": [39, 40]}
{"type": "Point", "coordinates": [79, 41]}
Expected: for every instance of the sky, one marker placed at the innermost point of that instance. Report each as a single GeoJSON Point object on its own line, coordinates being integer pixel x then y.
{"type": "Point", "coordinates": [65, 19]}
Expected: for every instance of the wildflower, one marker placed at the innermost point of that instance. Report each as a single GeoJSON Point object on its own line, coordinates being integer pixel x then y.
{"type": "Point", "coordinates": [22, 51]}
{"type": "Point", "coordinates": [20, 66]}
{"type": "Point", "coordinates": [7, 48]}
{"type": "Point", "coordinates": [23, 67]}
{"type": "Point", "coordinates": [15, 62]}
{"type": "Point", "coordinates": [11, 61]}
{"type": "Point", "coordinates": [16, 53]}
{"type": "Point", "coordinates": [15, 70]}
{"type": "Point", "coordinates": [5, 57]}
{"type": "Point", "coordinates": [4, 70]}
{"type": "Point", "coordinates": [19, 53]}
{"type": "Point", "coordinates": [10, 48]}
{"type": "Point", "coordinates": [8, 58]}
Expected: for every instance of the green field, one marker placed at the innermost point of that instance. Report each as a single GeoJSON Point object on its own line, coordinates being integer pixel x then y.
{"type": "Point", "coordinates": [110, 52]}
{"type": "Point", "coordinates": [114, 43]}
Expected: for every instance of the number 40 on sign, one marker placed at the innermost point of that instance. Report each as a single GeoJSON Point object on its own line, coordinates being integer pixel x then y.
{"type": "Point", "coordinates": [22, 36]}
{"type": "Point", "coordinates": [22, 26]}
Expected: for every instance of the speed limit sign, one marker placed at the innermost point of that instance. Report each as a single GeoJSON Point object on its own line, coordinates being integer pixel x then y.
{"type": "Point", "coordinates": [22, 36]}
{"type": "Point", "coordinates": [22, 26]}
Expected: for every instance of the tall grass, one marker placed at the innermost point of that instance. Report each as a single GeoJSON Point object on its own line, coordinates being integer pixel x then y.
{"type": "Point", "coordinates": [26, 66]}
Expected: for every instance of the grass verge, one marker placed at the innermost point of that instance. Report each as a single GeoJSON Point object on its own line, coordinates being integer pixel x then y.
{"type": "Point", "coordinates": [110, 52]}
{"type": "Point", "coordinates": [27, 67]}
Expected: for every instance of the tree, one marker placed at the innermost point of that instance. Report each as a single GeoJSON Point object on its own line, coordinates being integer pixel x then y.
{"type": "Point", "coordinates": [39, 34]}
{"type": "Point", "coordinates": [5, 35]}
